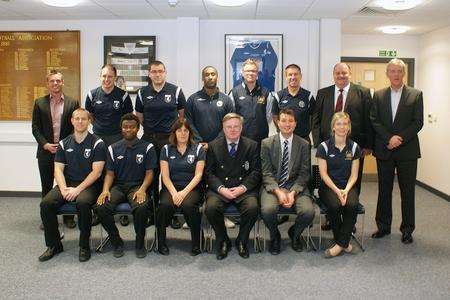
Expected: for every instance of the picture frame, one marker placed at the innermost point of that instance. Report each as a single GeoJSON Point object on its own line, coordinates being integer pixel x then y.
{"type": "Point", "coordinates": [131, 55]}
{"type": "Point", "coordinates": [267, 49]}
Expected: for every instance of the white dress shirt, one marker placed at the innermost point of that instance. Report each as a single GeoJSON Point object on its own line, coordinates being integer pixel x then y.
{"type": "Point", "coordinates": [282, 139]}
{"type": "Point", "coordinates": [395, 100]}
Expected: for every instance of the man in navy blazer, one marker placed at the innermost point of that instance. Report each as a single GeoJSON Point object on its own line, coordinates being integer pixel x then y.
{"type": "Point", "coordinates": [397, 117]}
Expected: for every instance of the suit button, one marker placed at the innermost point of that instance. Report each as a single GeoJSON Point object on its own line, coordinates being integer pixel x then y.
{"type": "Point", "coordinates": [226, 178]}
{"type": "Point", "coordinates": [221, 167]}
{"type": "Point", "coordinates": [240, 178]}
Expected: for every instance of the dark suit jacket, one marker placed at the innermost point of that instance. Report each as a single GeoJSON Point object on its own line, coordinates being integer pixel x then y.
{"type": "Point", "coordinates": [407, 123]}
{"type": "Point", "coordinates": [357, 105]}
{"type": "Point", "coordinates": [42, 123]}
{"type": "Point", "coordinates": [299, 163]}
{"type": "Point", "coordinates": [227, 171]}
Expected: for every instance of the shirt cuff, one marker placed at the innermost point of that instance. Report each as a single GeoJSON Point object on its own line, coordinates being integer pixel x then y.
{"type": "Point", "coordinates": [245, 188]}
{"type": "Point", "coordinates": [221, 186]}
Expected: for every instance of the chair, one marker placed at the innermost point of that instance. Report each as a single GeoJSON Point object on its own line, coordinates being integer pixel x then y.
{"type": "Point", "coordinates": [361, 211]}
{"type": "Point", "coordinates": [231, 211]}
{"type": "Point", "coordinates": [67, 209]}
{"type": "Point", "coordinates": [179, 213]}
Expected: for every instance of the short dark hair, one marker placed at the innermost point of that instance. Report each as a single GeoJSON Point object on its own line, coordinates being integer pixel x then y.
{"type": "Point", "coordinates": [130, 117]}
{"type": "Point", "coordinates": [207, 67]}
{"type": "Point", "coordinates": [287, 111]}
{"type": "Point", "coordinates": [156, 63]}
{"type": "Point", "coordinates": [111, 67]}
{"type": "Point", "coordinates": [295, 66]}
{"type": "Point", "coordinates": [177, 125]}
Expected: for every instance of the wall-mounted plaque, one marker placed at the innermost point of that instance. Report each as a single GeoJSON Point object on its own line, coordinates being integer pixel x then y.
{"type": "Point", "coordinates": [26, 59]}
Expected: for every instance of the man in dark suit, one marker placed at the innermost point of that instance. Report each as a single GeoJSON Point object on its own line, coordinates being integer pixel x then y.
{"type": "Point", "coordinates": [50, 124]}
{"type": "Point", "coordinates": [286, 165]}
{"type": "Point", "coordinates": [233, 170]}
{"type": "Point", "coordinates": [397, 117]}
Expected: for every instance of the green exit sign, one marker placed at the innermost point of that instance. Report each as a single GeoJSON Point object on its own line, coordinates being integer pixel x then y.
{"type": "Point", "coordinates": [387, 53]}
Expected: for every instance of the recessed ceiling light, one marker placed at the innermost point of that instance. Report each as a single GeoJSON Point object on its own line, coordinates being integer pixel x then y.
{"type": "Point", "coordinates": [394, 29]}
{"type": "Point", "coordinates": [229, 2]}
{"type": "Point", "coordinates": [62, 3]}
{"type": "Point", "coordinates": [398, 4]}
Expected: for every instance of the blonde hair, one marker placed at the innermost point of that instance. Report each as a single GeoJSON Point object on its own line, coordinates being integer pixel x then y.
{"type": "Point", "coordinates": [250, 61]}
{"type": "Point", "coordinates": [341, 115]}
{"type": "Point", "coordinates": [396, 62]}
{"type": "Point", "coordinates": [230, 116]}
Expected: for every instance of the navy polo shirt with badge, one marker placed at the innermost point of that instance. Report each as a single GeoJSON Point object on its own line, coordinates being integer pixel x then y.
{"type": "Point", "coordinates": [182, 167]}
{"type": "Point", "coordinates": [78, 157]}
{"type": "Point", "coordinates": [302, 104]}
{"type": "Point", "coordinates": [339, 163]}
{"type": "Point", "coordinates": [160, 109]}
{"type": "Point", "coordinates": [205, 114]}
{"type": "Point", "coordinates": [252, 106]}
{"type": "Point", "coordinates": [107, 109]}
{"type": "Point", "coordinates": [130, 162]}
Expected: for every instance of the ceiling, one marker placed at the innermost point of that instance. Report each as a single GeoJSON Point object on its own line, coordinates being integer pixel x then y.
{"type": "Point", "coordinates": [431, 15]}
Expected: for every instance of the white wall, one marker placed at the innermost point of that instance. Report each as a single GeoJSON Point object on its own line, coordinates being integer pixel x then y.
{"type": "Point", "coordinates": [185, 45]}
{"type": "Point", "coordinates": [434, 74]}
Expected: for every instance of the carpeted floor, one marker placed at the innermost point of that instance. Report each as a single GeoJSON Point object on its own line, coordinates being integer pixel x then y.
{"type": "Point", "coordinates": [386, 270]}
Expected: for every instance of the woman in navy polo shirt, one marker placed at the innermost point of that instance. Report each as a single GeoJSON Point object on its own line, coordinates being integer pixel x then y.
{"type": "Point", "coordinates": [338, 160]}
{"type": "Point", "coordinates": [182, 163]}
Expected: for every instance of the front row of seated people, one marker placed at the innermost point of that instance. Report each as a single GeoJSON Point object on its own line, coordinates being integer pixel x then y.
{"type": "Point", "coordinates": [236, 172]}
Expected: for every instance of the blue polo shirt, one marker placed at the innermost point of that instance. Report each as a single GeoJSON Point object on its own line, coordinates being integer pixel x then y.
{"type": "Point", "coordinates": [107, 109]}
{"type": "Point", "coordinates": [160, 109]}
{"type": "Point", "coordinates": [205, 114]}
{"type": "Point", "coordinates": [302, 104]}
{"type": "Point", "coordinates": [339, 163]}
{"type": "Point", "coordinates": [130, 162]}
{"type": "Point", "coordinates": [182, 167]}
{"type": "Point", "coordinates": [254, 108]}
{"type": "Point", "coordinates": [78, 157]}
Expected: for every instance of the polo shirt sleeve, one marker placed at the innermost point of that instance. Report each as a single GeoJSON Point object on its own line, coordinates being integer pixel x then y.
{"type": "Point", "coordinates": [150, 157]}
{"type": "Point", "coordinates": [312, 104]}
{"type": "Point", "coordinates": [164, 153]}
{"type": "Point", "coordinates": [60, 155]}
{"type": "Point", "coordinates": [275, 107]}
{"type": "Point", "coordinates": [88, 103]}
{"type": "Point", "coordinates": [99, 151]}
{"type": "Point", "coordinates": [320, 153]}
{"type": "Point", "coordinates": [110, 159]}
{"type": "Point", "coordinates": [229, 105]}
{"type": "Point", "coordinates": [139, 104]}
{"type": "Point", "coordinates": [181, 100]}
{"type": "Point", "coordinates": [201, 154]}
{"type": "Point", "coordinates": [127, 106]}
{"type": "Point", "coordinates": [357, 154]}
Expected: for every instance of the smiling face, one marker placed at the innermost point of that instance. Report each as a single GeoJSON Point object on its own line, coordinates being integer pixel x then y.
{"type": "Point", "coordinates": [232, 129]}
{"type": "Point", "coordinates": [80, 121]}
{"type": "Point", "coordinates": [286, 124]}
{"type": "Point", "coordinates": [341, 75]}
{"type": "Point", "coordinates": [250, 73]}
{"type": "Point", "coordinates": [293, 77]}
{"type": "Point", "coordinates": [341, 127]}
{"type": "Point", "coordinates": [107, 78]}
{"type": "Point", "coordinates": [395, 73]}
{"type": "Point", "coordinates": [130, 129]}
{"type": "Point", "coordinates": [55, 83]}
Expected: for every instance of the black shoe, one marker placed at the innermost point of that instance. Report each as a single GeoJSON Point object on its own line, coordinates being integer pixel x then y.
{"type": "Point", "coordinates": [224, 248]}
{"type": "Point", "coordinates": [354, 229]}
{"type": "Point", "coordinates": [69, 221]}
{"type": "Point", "coordinates": [118, 251]}
{"type": "Point", "coordinates": [242, 249]}
{"type": "Point", "coordinates": [407, 238]}
{"type": "Point", "coordinates": [95, 219]}
{"type": "Point", "coordinates": [124, 221]}
{"type": "Point", "coordinates": [380, 233]}
{"type": "Point", "coordinates": [275, 245]}
{"type": "Point", "coordinates": [196, 251]}
{"type": "Point", "coordinates": [50, 252]}
{"type": "Point", "coordinates": [84, 254]}
{"type": "Point", "coordinates": [175, 223]}
{"type": "Point", "coordinates": [162, 248]}
{"type": "Point", "coordinates": [296, 243]}
{"type": "Point", "coordinates": [141, 252]}
{"type": "Point", "coordinates": [282, 219]}
{"type": "Point", "coordinates": [326, 226]}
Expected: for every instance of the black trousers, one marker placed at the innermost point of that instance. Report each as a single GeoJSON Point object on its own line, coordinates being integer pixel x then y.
{"type": "Point", "coordinates": [342, 218]}
{"type": "Point", "coordinates": [191, 211]}
{"type": "Point", "coordinates": [406, 174]}
{"type": "Point", "coordinates": [46, 172]}
{"type": "Point", "coordinates": [124, 193]}
{"type": "Point", "coordinates": [248, 210]}
{"type": "Point", "coordinates": [54, 200]}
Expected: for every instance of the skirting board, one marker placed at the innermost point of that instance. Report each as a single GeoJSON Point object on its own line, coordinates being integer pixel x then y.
{"type": "Point", "coordinates": [433, 190]}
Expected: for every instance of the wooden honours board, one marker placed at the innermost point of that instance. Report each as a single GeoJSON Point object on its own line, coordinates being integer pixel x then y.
{"type": "Point", "coordinates": [26, 58]}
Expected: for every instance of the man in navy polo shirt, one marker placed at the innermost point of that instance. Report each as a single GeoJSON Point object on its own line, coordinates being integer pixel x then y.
{"type": "Point", "coordinates": [206, 108]}
{"type": "Point", "coordinates": [300, 100]}
{"type": "Point", "coordinates": [250, 101]}
{"type": "Point", "coordinates": [79, 162]}
{"type": "Point", "coordinates": [129, 166]}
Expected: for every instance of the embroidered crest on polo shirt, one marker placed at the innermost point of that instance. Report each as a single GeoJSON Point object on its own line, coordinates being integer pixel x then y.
{"type": "Point", "coordinates": [69, 150]}
{"type": "Point", "coordinates": [116, 104]}
{"type": "Point", "coordinates": [261, 100]}
{"type": "Point", "coordinates": [301, 104]}
{"type": "Point", "coordinates": [139, 158]}
{"type": "Point", "coordinates": [167, 98]}
{"type": "Point", "coordinates": [87, 153]}
{"type": "Point", "coordinates": [190, 159]}
{"type": "Point", "coordinates": [246, 165]}
{"type": "Point", "coordinates": [348, 155]}
{"type": "Point", "coordinates": [219, 103]}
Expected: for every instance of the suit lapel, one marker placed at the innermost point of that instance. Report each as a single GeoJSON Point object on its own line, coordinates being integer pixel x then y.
{"type": "Point", "coordinates": [64, 114]}
{"type": "Point", "coordinates": [350, 96]}
{"type": "Point", "coordinates": [295, 145]}
{"type": "Point", "coordinates": [388, 105]}
{"type": "Point", "coordinates": [401, 102]}
{"type": "Point", "coordinates": [276, 151]}
{"type": "Point", "coordinates": [330, 100]}
{"type": "Point", "coordinates": [49, 114]}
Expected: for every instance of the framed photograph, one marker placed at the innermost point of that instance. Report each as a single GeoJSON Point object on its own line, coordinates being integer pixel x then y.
{"type": "Point", "coordinates": [266, 49]}
{"type": "Point", "coordinates": [131, 56]}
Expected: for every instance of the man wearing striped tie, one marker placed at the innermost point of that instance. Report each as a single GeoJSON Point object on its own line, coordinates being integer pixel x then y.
{"type": "Point", "coordinates": [286, 163]}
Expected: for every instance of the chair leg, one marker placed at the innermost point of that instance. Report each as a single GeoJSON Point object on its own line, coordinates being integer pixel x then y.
{"type": "Point", "coordinates": [320, 231]}
{"type": "Point", "coordinates": [102, 244]}
{"type": "Point", "coordinates": [360, 241]}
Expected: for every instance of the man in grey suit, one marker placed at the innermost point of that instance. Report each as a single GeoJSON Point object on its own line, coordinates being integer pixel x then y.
{"type": "Point", "coordinates": [397, 117]}
{"type": "Point", "coordinates": [286, 164]}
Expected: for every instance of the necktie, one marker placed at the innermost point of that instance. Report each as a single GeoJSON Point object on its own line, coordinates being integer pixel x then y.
{"type": "Point", "coordinates": [284, 165]}
{"type": "Point", "coordinates": [232, 151]}
{"type": "Point", "coordinates": [339, 102]}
